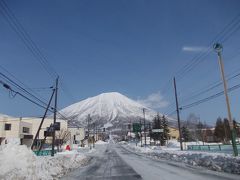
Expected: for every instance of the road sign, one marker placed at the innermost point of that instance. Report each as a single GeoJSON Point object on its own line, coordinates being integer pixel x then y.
{"type": "Point", "coordinates": [56, 126]}
{"type": "Point", "coordinates": [157, 130]}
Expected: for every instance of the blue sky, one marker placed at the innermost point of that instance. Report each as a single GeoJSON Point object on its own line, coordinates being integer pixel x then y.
{"type": "Point", "coordinates": [130, 46]}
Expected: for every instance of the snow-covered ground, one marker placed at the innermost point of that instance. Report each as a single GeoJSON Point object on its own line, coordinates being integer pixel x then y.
{"type": "Point", "coordinates": [101, 142]}
{"type": "Point", "coordinates": [214, 161]}
{"type": "Point", "coordinates": [19, 162]}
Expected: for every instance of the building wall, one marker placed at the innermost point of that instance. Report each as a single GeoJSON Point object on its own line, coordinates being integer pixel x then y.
{"type": "Point", "coordinates": [16, 131]}
{"type": "Point", "coordinates": [32, 124]}
{"type": "Point", "coordinates": [77, 133]}
{"type": "Point", "coordinates": [47, 122]}
{"type": "Point", "coordinates": [174, 133]}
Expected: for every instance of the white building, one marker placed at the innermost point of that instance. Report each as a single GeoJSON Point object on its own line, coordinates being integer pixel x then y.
{"type": "Point", "coordinates": [77, 135]}
{"type": "Point", "coordinates": [15, 128]}
{"type": "Point", "coordinates": [47, 122]}
{"type": "Point", "coordinates": [25, 129]}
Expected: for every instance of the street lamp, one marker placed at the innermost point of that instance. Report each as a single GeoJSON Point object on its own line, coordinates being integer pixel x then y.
{"type": "Point", "coordinates": [218, 48]}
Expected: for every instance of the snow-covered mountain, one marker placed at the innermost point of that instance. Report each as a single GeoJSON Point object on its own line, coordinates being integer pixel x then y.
{"type": "Point", "coordinates": [108, 108]}
{"type": "Point", "coordinates": [4, 116]}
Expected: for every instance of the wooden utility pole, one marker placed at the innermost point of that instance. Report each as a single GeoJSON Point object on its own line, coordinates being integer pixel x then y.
{"type": "Point", "coordinates": [144, 126]}
{"type": "Point", "coordinates": [88, 119]}
{"type": "Point", "coordinates": [141, 132]}
{"type": "Point", "coordinates": [40, 126]}
{"type": "Point", "coordinates": [54, 117]}
{"type": "Point", "coordinates": [178, 116]}
{"type": "Point", "coordinates": [218, 48]}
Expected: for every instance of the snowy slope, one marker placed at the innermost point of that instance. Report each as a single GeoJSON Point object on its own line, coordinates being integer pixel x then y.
{"type": "Point", "coordinates": [108, 107]}
{"type": "Point", "coordinates": [4, 116]}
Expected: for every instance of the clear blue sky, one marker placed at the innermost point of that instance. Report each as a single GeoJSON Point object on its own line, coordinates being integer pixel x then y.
{"type": "Point", "coordinates": [130, 46]}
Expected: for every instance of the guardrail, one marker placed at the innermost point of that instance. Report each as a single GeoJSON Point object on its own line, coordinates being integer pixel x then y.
{"type": "Point", "coordinates": [213, 148]}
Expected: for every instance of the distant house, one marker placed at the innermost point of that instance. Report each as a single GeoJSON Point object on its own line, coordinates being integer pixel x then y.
{"type": "Point", "coordinates": [173, 133]}
{"type": "Point", "coordinates": [208, 135]}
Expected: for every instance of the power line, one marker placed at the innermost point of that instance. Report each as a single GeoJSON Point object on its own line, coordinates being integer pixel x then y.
{"type": "Point", "coordinates": [26, 39]}
{"type": "Point", "coordinates": [37, 101]}
{"type": "Point", "coordinates": [22, 89]}
{"type": "Point", "coordinates": [213, 86]}
{"type": "Point", "coordinates": [24, 36]}
{"type": "Point", "coordinates": [22, 95]}
{"type": "Point", "coordinates": [222, 36]}
{"type": "Point", "coordinates": [209, 98]}
{"type": "Point", "coordinates": [20, 82]}
{"type": "Point", "coordinates": [210, 88]}
{"type": "Point", "coordinates": [31, 100]}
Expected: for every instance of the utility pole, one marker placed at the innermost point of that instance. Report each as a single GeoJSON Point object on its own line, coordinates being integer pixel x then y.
{"type": "Point", "coordinates": [40, 126]}
{"type": "Point", "coordinates": [149, 131]}
{"type": "Point", "coordinates": [54, 116]}
{"type": "Point", "coordinates": [94, 135]}
{"type": "Point", "coordinates": [218, 48]}
{"type": "Point", "coordinates": [96, 131]}
{"type": "Point", "coordinates": [144, 126]}
{"type": "Point", "coordinates": [178, 116]}
{"type": "Point", "coordinates": [141, 132]}
{"type": "Point", "coordinates": [130, 130]}
{"type": "Point", "coordinates": [88, 119]}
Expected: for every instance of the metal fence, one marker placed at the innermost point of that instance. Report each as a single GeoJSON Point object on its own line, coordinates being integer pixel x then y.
{"type": "Point", "coordinates": [213, 148]}
{"type": "Point", "coordinates": [44, 152]}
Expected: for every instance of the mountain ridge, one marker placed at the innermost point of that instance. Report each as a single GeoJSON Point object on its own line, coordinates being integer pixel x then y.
{"type": "Point", "coordinates": [108, 107]}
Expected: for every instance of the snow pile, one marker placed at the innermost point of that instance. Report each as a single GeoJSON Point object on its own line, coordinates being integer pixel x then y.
{"type": "Point", "coordinates": [173, 144]}
{"type": "Point", "coordinates": [19, 162]}
{"type": "Point", "coordinates": [213, 161]}
{"type": "Point", "coordinates": [101, 142]}
{"type": "Point", "coordinates": [122, 142]}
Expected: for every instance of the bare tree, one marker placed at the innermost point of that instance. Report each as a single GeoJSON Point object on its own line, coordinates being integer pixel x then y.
{"type": "Point", "coordinates": [62, 137]}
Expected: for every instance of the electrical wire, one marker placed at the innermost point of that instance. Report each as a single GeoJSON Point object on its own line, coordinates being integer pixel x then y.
{"type": "Point", "coordinates": [24, 36]}
{"type": "Point", "coordinates": [209, 98]}
{"type": "Point", "coordinates": [227, 31]}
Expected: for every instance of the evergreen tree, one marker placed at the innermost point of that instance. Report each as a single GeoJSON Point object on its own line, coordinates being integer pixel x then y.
{"type": "Point", "coordinates": [165, 134]}
{"type": "Point", "coordinates": [219, 131]}
{"type": "Point", "coordinates": [186, 134]}
{"type": "Point", "coordinates": [237, 128]}
{"type": "Point", "coordinates": [199, 131]}
{"type": "Point", "coordinates": [157, 124]}
{"type": "Point", "coordinates": [227, 131]}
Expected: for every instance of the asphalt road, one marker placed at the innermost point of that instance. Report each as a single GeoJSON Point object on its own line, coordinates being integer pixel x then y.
{"type": "Point", "coordinates": [117, 163]}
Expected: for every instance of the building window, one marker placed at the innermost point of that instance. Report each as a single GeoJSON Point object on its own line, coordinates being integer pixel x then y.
{"type": "Point", "coordinates": [7, 127]}
{"type": "Point", "coordinates": [25, 130]}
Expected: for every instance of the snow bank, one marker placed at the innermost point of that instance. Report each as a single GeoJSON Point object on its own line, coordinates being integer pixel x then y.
{"type": "Point", "coordinates": [176, 144]}
{"type": "Point", "coordinates": [173, 144]}
{"type": "Point", "coordinates": [101, 142]}
{"type": "Point", "coordinates": [213, 161]}
{"type": "Point", "coordinates": [19, 162]}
